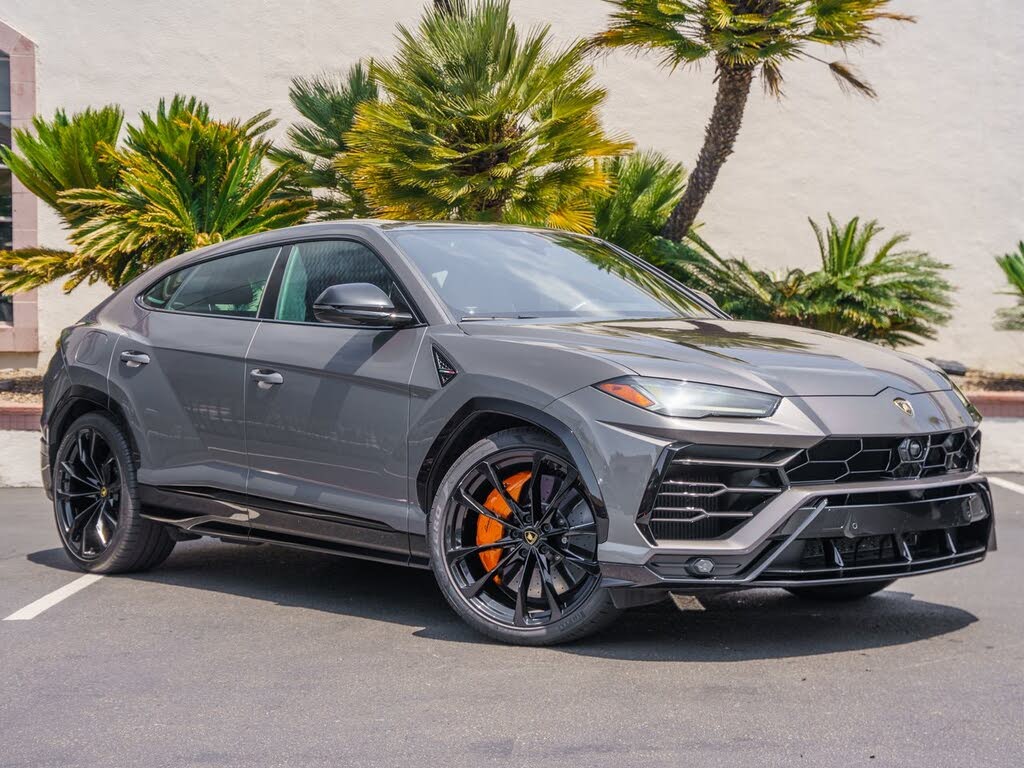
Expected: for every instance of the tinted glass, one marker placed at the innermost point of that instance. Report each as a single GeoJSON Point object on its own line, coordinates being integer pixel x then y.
{"type": "Point", "coordinates": [6, 223]}
{"type": "Point", "coordinates": [232, 285]}
{"type": "Point", "coordinates": [509, 273]}
{"type": "Point", "coordinates": [5, 83]}
{"type": "Point", "coordinates": [314, 267]}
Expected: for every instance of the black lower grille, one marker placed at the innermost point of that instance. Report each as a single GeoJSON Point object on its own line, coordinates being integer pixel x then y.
{"type": "Point", "coordinates": [912, 531]}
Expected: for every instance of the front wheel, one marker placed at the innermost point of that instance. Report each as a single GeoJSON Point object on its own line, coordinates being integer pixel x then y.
{"type": "Point", "coordinates": [513, 542]}
{"type": "Point", "coordinates": [841, 593]}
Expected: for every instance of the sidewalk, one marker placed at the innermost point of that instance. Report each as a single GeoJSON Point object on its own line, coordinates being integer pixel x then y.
{"type": "Point", "coordinates": [1002, 451]}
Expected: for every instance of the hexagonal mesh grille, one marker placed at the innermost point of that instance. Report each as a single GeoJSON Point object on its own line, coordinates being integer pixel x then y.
{"type": "Point", "coordinates": [859, 459]}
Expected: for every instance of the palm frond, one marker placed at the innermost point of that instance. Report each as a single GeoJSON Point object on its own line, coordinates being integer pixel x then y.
{"type": "Point", "coordinates": [66, 153]}
{"type": "Point", "coordinates": [758, 35]}
{"type": "Point", "coordinates": [645, 187]}
{"type": "Point", "coordinates": [24, 269]}
{"type": "Point", "coordinates": [1012, 264]}
{"type": "Point", "coordinates": [328, 102]}
{"type": "Point", "coordinates": [480, 122]}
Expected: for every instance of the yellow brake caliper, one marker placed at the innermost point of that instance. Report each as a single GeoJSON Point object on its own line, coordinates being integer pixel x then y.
{"type": "Point", "coordinates": [488, 530]}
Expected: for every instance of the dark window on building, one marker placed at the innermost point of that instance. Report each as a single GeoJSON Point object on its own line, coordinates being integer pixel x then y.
{"type": "Point", "coordinates": [6, 203]}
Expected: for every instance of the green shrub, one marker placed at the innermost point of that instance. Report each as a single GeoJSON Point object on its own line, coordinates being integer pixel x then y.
{"type": "Point", "coordinates": [881, 294]}
{"type": "Point", "coordinates": [1012, 318]}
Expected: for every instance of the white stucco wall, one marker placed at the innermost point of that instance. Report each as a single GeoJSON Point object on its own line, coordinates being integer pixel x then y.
{"type": "Point", "coordinates": [939, 154]}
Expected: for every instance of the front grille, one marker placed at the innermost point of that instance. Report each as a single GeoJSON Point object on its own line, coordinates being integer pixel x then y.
{"type": "Point", "coordinates": [708, 492]}
{"type": "Point", "coordinates": [859, 459]}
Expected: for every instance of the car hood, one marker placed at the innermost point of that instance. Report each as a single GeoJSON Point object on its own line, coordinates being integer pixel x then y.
{"type": "Point", "coordinates": [780, 359]}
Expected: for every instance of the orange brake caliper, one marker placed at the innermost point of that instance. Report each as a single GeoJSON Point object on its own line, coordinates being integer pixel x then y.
{"type": "Point", "coordinates": [488, 530]}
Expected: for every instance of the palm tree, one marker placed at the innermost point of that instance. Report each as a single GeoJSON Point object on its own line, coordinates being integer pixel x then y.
{"type": "Point", "coordinates": [479, 123]}
{"type": "Point", "coordinates": [1012, 318]}
{"type": "Point", "coordinates": [744, 39]}
{"type": "Point", "coordinates": [885, 295]}
{"type": "Point", "coordinates": [181, 181]}
{"type": "Point", "coordinates": [328, 103]}
{"type": "Point", "coordinates": [56, 156]}
{"type": "Point", "coordinates": [645, 189]}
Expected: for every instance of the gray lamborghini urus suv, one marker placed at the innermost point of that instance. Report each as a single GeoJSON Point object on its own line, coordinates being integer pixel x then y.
{"type": "Point", "coordinates": [555, 428]}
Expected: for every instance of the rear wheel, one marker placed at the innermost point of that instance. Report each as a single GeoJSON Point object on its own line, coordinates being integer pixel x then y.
{"type": "Point", "coordinates": [513, 541]}
{"type": "Point", "coordinates": [841, 593]}
{"type": "Point", "coordinates": [96, 504]}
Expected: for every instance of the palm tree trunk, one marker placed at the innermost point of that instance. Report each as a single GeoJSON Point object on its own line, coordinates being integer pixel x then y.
{"type": "Point", "coordinates": [719, 137]}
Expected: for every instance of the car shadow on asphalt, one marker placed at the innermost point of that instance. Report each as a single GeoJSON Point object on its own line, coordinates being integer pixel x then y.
{"type": "Point", "coordinates": [739, 626]}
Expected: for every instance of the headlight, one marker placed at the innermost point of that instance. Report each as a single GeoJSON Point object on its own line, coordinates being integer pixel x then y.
{"type": "Point", "coordinates": [690, 400]}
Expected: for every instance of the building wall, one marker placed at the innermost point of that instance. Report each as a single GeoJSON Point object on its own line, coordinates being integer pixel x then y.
{"type": "Point", "coordinates": [938, 155]}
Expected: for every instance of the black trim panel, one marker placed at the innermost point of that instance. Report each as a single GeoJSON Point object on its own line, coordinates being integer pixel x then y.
{"type": "Point", "coordinates": [214, 512]}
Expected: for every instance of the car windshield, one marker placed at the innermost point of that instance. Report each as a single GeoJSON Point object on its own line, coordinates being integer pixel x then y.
{"type": "Point", "coordinates": [487, 273]}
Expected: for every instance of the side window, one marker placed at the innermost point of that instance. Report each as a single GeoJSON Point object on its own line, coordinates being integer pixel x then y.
{"type": "Point", "coordinates": [314, 267]}
{"type": "Point", "coordinates": [232, 285]}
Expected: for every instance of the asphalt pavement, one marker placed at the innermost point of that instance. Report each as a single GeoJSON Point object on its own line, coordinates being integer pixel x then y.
{"type": "Point", "coordinates": [231, 655]}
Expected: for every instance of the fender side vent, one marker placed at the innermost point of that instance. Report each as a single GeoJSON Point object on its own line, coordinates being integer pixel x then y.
{"type": "Point", "coordinates": [445, 370]}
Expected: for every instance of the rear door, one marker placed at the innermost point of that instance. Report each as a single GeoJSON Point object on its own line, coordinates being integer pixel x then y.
{"type": "Point", "coordinates": [179, 372]}
{"type": "Point", "coordinates": [327, 409]}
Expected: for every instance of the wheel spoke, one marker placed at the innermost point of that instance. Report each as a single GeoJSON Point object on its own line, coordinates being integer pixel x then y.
{"type": "Point", "coordinates": [108, 471]}
{"type": "Point", "coordinates": [588, 565]}
{"type": "Point", "coordinates": [461, 553]}
{"type": "Point", "coordinates": [71, 473]}
{"type": "Point", "coordinates": [84, 454]}
{"type": "Point", "coordinates": [499, 486]}
{"type": "Point", "coordinates": [472, 590]}
{"type": "Point", "coordinates": [101, 529]}
{"type": "Point", "coordinates": [83, 519]}
{"type": "Point", "coordinates": [483, 511]}
{"type": "Point", "coordinates": [105, 513]}
{"type": "Point", "coordinates": [556, 501]}
{"type": "Point", "coordinates": [547, 585]}
{"type": "Point", "coordinates": [83, 494]}
{"type": "Point", "coordinates": [536, 505]}
{"type": "Point", "coordinates": [522, 612]}
{"type": "Point", "coordinates": [587, 529]}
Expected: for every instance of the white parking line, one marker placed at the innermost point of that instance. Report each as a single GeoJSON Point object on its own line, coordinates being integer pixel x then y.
{"type": "Point", "coordinates": [32, 610]}
{"type": "Point", "coordinates": [1007, 484]}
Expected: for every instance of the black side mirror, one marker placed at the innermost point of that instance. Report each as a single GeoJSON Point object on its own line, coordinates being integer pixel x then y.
{"type": "Point", "coordinates": [358, 304]}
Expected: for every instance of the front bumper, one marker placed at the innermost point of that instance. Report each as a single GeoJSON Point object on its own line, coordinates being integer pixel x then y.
{"type": "Point", "coordinates": [832, 534]}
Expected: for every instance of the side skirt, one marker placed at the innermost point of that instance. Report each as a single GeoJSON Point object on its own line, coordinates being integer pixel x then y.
{"type": "Point", "coordinates": [227, 515]}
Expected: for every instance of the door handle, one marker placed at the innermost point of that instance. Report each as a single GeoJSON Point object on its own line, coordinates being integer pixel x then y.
{"type": "Point", "coordinates": [266, 379]}
{"type": "Point", "coordinates": [134, 359]}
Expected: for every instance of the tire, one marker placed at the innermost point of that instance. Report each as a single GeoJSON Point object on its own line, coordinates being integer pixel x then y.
{"type": "Point", "coordinates": [94, 465]}
{"type": "Point", "coordinates": [556, 564]}
{"type": "Point", "coordinates": [841, 593]}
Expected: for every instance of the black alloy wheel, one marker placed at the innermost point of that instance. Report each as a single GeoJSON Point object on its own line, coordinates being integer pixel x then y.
{"type": "Point", "coordinates": [514, 542]}
{"type": "Point", "coordinates": [88, 488]}
{"type": "Point", "coordinates": [95, 501]}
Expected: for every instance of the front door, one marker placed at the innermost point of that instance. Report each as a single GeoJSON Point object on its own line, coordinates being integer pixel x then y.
{"type": "Point", "coordinates": [327, 411]}
{"type": "Point", "coordinates": [179, 373]}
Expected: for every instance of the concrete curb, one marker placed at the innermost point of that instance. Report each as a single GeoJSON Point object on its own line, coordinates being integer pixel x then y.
{"type": "Point", "coordinates": [998, 404]}
{"type": "Point", "coordinates": [20, 417]}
